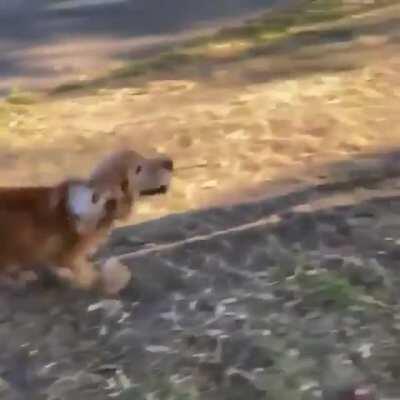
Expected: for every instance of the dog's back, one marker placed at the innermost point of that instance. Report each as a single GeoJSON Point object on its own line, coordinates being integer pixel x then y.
{"type": "Point", "coordinates": [51, 226]}
{"type": "Point", "coordinates": [30, 222]}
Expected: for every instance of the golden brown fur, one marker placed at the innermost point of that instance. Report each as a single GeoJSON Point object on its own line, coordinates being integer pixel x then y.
{"type": "Point", "coordinates": [39, 229]}
{"type": "Point", "coordinates": [59, 226]}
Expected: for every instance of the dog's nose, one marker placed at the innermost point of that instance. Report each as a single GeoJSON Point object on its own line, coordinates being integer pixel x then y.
{"type": "Point", "coordinates": [168, 164]}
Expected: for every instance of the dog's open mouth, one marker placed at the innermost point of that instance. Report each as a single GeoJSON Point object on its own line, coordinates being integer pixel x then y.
{"type": "Point", "coordinates": [151, 192]}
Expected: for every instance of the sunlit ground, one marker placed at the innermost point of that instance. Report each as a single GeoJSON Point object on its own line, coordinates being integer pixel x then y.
{"type": "Point", "coordinates": [249, 113]}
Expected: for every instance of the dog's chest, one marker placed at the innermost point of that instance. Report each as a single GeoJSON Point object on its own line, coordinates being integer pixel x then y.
{"type": "Point", "coordinates": [53, 245]}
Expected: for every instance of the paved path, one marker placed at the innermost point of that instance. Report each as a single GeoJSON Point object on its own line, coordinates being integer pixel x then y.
{"type": "Point", "coordinates": [43, 41]}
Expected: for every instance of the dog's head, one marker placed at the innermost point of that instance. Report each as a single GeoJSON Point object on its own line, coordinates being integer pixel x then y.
{"type": "Point", "coordinates": [127, 175]}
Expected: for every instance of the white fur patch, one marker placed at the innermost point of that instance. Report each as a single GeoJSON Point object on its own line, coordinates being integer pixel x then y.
{"type": "Point", "coordinates": [80, 200]}
{"type": "Point", "coordinates": [80, 203]}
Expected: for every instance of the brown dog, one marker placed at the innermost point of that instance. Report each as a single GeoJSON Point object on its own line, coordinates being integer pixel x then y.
{"type": "Point", "coordinates": [54, 226]}
{"type": "Point", "coordinates": [127, 174]}
{"type": "Point", "coordinates": [60, 226]}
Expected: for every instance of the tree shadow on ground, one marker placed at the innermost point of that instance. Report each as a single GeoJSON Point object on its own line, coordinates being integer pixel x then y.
{"type": "Point", "coordinates": [366, 170]}
{"type": "Point", "coordinates": [60, 341]}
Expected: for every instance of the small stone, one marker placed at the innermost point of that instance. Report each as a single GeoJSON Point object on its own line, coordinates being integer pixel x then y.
{"type": "Point", "coordinates": [229, 300]}
{"type": "Point", "coordinates": [111, 307]}
{"type": "Point", "coordinates": [158, 349]}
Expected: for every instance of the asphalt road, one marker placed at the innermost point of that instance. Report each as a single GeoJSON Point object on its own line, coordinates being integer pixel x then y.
{"type": "Point", "coordinates": [44, 39]}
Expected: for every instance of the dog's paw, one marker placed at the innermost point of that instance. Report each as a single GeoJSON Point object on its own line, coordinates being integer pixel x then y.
{"type": "Point", "coordinates": [115, 276]}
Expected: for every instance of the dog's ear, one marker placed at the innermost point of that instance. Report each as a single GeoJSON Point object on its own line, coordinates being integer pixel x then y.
{"type": "Point", "coordinates": [108, 164]}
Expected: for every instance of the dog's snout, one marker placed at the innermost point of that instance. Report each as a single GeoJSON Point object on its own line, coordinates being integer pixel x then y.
{"type": "Point", "coordinates": [111, 206]}
{"type": "Point", "coordinates": [168, 164]}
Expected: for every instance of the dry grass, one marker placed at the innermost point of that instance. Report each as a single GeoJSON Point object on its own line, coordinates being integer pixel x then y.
{"type": "Point", "coordinates": [245, 122]}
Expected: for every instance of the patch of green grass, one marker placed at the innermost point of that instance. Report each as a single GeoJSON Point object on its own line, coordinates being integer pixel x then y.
{"type": "Point", "coordinates": [278, 24]}
{"type": "Point", "coordinates": [70, 86]}
{"type": "Point", "coordinates": [337, 290]}
{"type": "Point", "coordinates": [131, 69]}
{"type": "Point", "coordinates": [19, 97]}
{"type": "Point", "coordinates": [266, 29]}
{"type": "Point", "coordinates": [320, 11]}
{"type": "Point", "coordinates": [5, 116]}
{"type": "Point", "coordinates": [324, 287]}
{"type": "Point", "coordinates": [163, 61]}
{"type": "Point", "coordinates": [255, 30]}
{"type": "Point", "coordinates": [171, 60]}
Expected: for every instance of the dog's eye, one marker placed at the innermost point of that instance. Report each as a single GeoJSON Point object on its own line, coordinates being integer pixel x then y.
{"type": "Point", "coordinates": [111, 205]}
{"type": "Point", "coordinates": [138, 169]}
{"type": "Point", "coordinates": [125, 185]}
{"type": "Point", "coordinates": [95, 198]}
